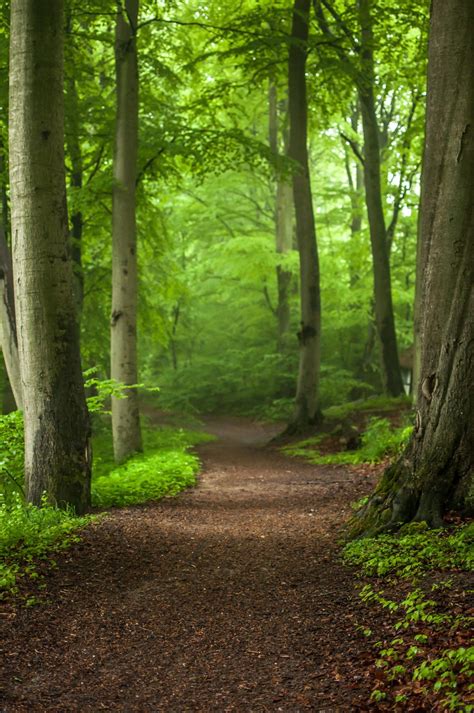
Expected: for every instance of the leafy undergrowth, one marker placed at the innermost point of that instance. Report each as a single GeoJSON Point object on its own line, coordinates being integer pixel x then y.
{"type": "Point", "coordinates": [30, 535]}
{"type": "Point", "coordinates": [421, 581]}
{"type": "Point", "coordinates": [380, 440]}
{"type": "Point", "coordinates": [164, 469]}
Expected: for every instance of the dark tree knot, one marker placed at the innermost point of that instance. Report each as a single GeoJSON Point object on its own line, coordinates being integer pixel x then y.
{"type": "Point", "coordinates": [306, 333]}
{"type": "Point", "coordinates": [116, 314]}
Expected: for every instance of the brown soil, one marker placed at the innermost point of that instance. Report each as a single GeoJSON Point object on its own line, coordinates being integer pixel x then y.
{"type": "Point", "coordinates": [230, 597]}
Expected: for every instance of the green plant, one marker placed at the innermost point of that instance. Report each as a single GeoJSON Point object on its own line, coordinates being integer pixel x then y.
{"type": "Point", "coordinates": [417, 654]}
{"type": "Point", "coordinates": [378, 441]}
{"type": "Point", "coordinates": [11, 456]}
{"type": "Point", "coordinates": [413, 551]}
{"type": "Point", "coordinates": [29, 533]}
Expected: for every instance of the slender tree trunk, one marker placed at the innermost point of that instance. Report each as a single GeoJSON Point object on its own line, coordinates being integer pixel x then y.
{"type": "Point", "coordinates": [7, 398]}
{"type": "Point", "coordinates": [355, 180]}
{"type": "Point", "coordinates": [74, 151]}
{"type": "Point", "coordinates": [57, 453]}
{"type": "Point", "coordinates": [283, 224]}
{"type": "Point", "coordinates": [125, 412]}
{"type": "Point", "coordinates": [307, 409]}
{"type": "Point", "coordinates": [417, 315]}
{"type": "Point", "coordinates": [378, 234]}
{"type": "Point", "coordinates": [436, 472]}
{"type": "Point", "coordinates": [8, 336]}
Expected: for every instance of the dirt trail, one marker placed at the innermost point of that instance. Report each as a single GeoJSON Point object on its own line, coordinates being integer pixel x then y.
{"type": "Point", "coordinates": [229, 597]}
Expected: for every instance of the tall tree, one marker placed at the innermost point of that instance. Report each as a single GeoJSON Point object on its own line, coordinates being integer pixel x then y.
{"type": "Point", "coordinates": [436, 471]}
{"type": "Point", "coordinates": [307, 410]}
{"type": "Point", "coordinates": [74, 150]}
{"type": "Point", "coordinates": [125, 412]}
{"type": "Point", "coordinates": [384, 316]}
{"type": "Point", "coordinates": [8, 336]}
{"type": "Point", "coordinates": [283, 219]}
{"type": "Point", "coordinates": [57, 453]}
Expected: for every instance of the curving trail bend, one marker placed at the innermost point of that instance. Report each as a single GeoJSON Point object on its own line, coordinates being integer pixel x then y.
{"type": "Point", "coordinates": [230, 597]}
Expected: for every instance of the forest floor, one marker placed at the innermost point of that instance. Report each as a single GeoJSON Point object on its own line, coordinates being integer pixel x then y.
{"type": "Point", "coordinates": [229, 597]}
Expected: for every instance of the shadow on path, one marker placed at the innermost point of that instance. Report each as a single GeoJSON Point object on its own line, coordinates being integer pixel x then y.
{"type": "Point", "coordinates": [230, 597]}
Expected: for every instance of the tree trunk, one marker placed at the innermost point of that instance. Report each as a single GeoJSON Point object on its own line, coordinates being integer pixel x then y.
{"type": "Point", "coordinates": [307, 409]}
{"type": "Point", "coordinates": [57, 452]}
{"type": "Point", "coordinates": [7, 398]}
{"type": "Point", "coordinates": [73, 145]}
{"type": "Point", "coordinates": [125, 412]}
{"type": "Point", "coordinates": [435, 473]}
{"type": "Point", "coordinates": [8, 337]}
{"type": "Point", "coordinates": [356, 188]}
{"type": "Point", "coordinates": [283, 224]}
{"type": "Point", "coordinates": [378, 234]}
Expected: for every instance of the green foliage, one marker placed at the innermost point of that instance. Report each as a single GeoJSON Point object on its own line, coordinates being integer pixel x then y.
{"type": "Point", "coordinates": [417, 656]}
{"type": "Point", "coordinates": [413, 551]}
{"type": "Point", "coordinates": [163, 470]}
{"type": "Point", "coordinates": [29, 533]}
{"type": "Point", "coordinates": [11, 456]}
{"type": "Point", "coordinates": [378, 441]}
{"type": "Point", "coordinates": [443, 673]}
{"type": "Point", "coordinates": [372, 403]}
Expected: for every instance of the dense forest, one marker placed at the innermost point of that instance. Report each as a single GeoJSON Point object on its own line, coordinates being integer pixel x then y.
{"type": "Point", "coordinates": [247, 228]}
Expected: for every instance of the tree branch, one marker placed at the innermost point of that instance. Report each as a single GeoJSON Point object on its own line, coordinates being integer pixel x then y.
{"type": "Point", "coordinates": [353, 146]}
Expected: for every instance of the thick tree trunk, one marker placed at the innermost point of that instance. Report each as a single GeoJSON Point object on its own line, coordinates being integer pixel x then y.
{"type": "Point", "coordinates": [57, 453]}
{"type": "Point", "coordinates": [378, 234]}
{"type": "Point", "coordinates": [125, 412]}
{"type": "Point", "coordinates": [436, 472]}
{"type": "Point", "coordinates": [307, 409]}
{"type": "Point", "coordinates": [283, 225]}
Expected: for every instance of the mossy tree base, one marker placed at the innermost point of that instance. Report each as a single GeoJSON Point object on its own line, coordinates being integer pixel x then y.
{"type": "Point", "coordinates": [407, 494]}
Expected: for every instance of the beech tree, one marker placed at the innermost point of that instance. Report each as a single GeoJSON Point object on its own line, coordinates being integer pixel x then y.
{"type": "Point", "coordinates": [125, 411]}
{"type": "Point", "coordinates": [436, 471]}
{"type": "Point", "coordinates": [384, 316]}
{"type": "Point", "coordinates": [8, 336]}
{"type": "Point", "coordinates": [57, 453]}
{"type": "Point", "coordinates": [307, 410]}
{"type": "Point", "coordinates": [283, 216]}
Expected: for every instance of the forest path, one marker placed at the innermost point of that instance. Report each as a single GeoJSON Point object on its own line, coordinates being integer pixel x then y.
{"type": "Point", "coordinates": [229, 597]}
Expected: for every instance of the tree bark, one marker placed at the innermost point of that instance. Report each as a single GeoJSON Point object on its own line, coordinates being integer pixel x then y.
{"type": "Point", "coordinates": [74, 150]}
{"type": "Point", "coordinates": [307, 409]}
{"type": "Point", "coordinates": [283, 223]}
{"type": "Point", "coordinates": [8, 336]}
{"type": "Point", "coordinates": [384, 315]}
{"type": "Point", "coordinates": [57, 452]}
{"type": "Point", "coordinates": [125, 412]}
{"type": "Point", "coordinates": [435, 473]}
